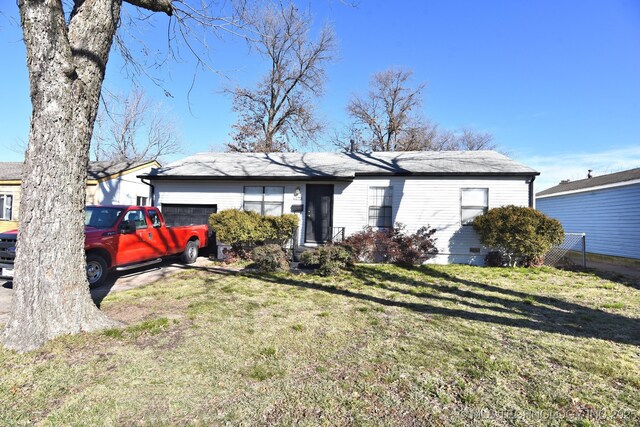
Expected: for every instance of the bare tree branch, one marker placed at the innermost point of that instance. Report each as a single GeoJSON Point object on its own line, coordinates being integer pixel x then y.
{"type": "Point", "coordinates": [279, 112]}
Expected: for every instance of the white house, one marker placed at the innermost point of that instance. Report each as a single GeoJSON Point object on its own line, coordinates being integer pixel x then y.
{"type": "Point", "coordinates": [605, 207]}
{"type": "Point", "coordinates": [108, 183]}
{"type": "Point", "coordinates": [337, 194]}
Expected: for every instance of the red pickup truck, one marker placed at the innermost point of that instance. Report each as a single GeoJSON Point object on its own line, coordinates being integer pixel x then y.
{"type": "Point", "coordinates": [122, 238]}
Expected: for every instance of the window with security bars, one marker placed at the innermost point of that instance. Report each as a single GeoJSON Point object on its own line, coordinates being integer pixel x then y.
{"type": "Point", "coordinates": [264, 200]}
{"type": "Point", "coordinates": [6, 205]}
{"type": "Point", "coordinates": [473, 202]}
{"type": "Point", "coordinates": [380, 211]}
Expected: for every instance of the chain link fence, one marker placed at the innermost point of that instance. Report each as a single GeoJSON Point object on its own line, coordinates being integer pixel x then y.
{"type": "Point", "coordinates": [573, 251]}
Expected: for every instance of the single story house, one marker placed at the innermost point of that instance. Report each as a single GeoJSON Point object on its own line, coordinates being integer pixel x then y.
{"type": "Point", "coordinates": [108, 183]}
{"type": "Point", "coordinates": [606, 208]}
{"type": "Point", "coordinates": [337, 194]}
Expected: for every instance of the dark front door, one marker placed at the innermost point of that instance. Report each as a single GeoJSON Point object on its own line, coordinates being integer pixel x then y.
{"type": "Point", "coordinates": [318, 212]}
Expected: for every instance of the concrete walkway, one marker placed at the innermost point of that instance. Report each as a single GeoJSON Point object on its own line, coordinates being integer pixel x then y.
{"type": "Point", "coordinates": [116, 283]}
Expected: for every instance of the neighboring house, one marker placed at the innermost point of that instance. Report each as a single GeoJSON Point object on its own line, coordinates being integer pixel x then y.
{"type": "Point", "coordinates": [337, 194]}
{"type": "Point", "coordinates": [107, 183]}
{"type": "Point", "coordinates": [606, 208]}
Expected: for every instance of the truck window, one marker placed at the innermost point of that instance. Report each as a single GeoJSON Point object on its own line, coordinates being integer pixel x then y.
{"type": "Point", "coordinates": [101, 217]}
{"type": "Point", "coordinates": [155, 219]}
{"type": "Point", "coordinates": [138, 217]}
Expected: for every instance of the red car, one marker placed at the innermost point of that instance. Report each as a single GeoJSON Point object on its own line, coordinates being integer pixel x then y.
{"type": "Point", "coordinates": [124, 237]}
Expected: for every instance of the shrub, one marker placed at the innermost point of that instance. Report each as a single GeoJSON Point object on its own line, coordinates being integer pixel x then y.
{"type": "Point", "coordinates": [332, 259]}
{"type": "Point", "coordinates": [328, 260]}
{"type": "Point", "coordinates": [309, 259]}
{"type": "Point", "coordinates": [279, 229]}
{"type": "Point", "coordinates": [412, 249]}
{"type": "Point", "coordinates": [392, 245]}
{"type": "Point", "coordinates": [269, 258]}
{"type": "Point", "coordinates": [244, 230]}
{"type": "Point", "coordinates": [523, 235]}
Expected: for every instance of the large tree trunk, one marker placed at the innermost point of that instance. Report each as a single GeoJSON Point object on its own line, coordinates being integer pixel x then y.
{"type": "Point", "coordinates": [66, 69]}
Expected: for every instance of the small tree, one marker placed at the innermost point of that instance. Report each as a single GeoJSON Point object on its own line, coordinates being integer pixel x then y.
{"type": "Point", "coordinates": [523, 235]}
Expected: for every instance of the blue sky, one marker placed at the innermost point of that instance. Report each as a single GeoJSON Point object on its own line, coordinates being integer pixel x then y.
{"type": "Point", "coordinates": [556, 82]}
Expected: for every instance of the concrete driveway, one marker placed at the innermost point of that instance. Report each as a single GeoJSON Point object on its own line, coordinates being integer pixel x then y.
{"type": "Point", "coordinates": [116, 283]}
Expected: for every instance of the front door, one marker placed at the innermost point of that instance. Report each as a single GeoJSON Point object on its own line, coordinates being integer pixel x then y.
{"type": "Point", "coordinates": [318, 214]}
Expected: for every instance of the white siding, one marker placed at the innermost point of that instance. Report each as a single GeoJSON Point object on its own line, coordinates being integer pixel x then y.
{"type": "Point", "coordinates": [224, 194]}
{"type": "Point", "coordinates": [417, 202]}
{"type": "Point", "coordinates": [609, 217]}
{"type": "Point", "coordinates": [123, 190]}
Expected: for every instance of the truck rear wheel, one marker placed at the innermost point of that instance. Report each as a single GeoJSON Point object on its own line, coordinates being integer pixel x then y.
{"type": "Point", "coordinates": [190, 253]}
{"type": "Point", "coordinates": [97, 270]}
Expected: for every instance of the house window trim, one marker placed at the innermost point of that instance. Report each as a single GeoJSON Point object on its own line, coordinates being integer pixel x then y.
{"type": "Point", "coordinates": [262, 202]}
{"type": "Point", "coordinates": [370, 205]}
{"type": "Point", "coordinates": [463, 207]}
{"type": "Point", "coordinates": [4, 207]}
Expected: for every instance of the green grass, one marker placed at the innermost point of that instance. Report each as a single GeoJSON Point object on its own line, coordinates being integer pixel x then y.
{"type": "Point", "coordinates": [382, 345]}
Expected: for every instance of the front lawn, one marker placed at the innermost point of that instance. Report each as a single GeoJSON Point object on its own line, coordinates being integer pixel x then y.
{"type": "Point", "coordinates": [383, 345]}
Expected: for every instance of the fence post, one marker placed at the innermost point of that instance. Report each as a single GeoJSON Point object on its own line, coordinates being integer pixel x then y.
{"type": "Point", "coordinates": [584, 250]}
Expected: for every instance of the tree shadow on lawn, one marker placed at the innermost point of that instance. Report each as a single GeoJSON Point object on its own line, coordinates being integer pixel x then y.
{"type": "Point", "coordinates": [531, 311]}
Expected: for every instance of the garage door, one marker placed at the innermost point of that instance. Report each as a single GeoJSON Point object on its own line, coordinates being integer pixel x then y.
{"type": "Point", "coordinates": [177, 214]}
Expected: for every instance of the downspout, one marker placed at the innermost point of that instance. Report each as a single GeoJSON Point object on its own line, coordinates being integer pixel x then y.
{"type": "Point", "coordinates": [531, 195]}
{"type": "Point", "coordinates": [153, 191]}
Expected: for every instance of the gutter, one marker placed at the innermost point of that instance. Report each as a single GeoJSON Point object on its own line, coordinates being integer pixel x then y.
{"type": "Point", "coordinates": [532, 196]}
{"type": "Point", "coordinates": [153, 191]}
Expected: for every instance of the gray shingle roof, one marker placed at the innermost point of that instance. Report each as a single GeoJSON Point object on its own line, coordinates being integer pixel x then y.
{"type": "Point", "coordinates": [343, 166]}
{"type": "Point", "coordinates": [583, 184]}
{"type": "Point", "coordinates": [12, 171]}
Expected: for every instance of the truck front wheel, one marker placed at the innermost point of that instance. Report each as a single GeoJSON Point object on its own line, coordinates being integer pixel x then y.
{"type": "Point", "coordinates": [190, 253]}
{"type": "Point", "coordinates": [97, 270]}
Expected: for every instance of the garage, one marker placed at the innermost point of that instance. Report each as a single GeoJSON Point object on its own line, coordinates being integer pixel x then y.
{"type": "Point", "coordinates": [182, 214]}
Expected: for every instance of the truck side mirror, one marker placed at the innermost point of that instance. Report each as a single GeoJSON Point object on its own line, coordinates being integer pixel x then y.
{"type": "Point", "coordinates": [127, 227]}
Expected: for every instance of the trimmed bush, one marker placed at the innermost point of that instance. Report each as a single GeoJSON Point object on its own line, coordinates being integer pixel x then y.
{"type": "Point", "coordinates": [523, 235]}
{"type": "Point", "coordinates": [393, 245]}
{"type": "Point", "coordinates": [244, 230]}
{"type": "Point", "coordinates": [269, 258]}
{"type": "Point", "coordinates": [328, 260]}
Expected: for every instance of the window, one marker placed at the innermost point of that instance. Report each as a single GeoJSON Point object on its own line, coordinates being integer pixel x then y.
{"type": "Point", "coordinates": [141, 201]}
{"type": "Point", "coordinates": [264, 200]}
{"type": "Point", "coordinates": [101, 217]}
{"type": "Point", "coordinates": [473, 202]}
{"type": "Point", "coordinates": [155, 219]}
{"type": "Point", "coordinates": [137, 216]}
{"type": "Point", "coordinates": [380, 200]}
{"type": "Point", "coordinates": [6, 203]}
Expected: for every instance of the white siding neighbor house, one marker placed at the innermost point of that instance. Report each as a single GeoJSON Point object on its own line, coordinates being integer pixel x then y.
{"type": "Point", "coordinates": [108, 183]}
{"type": "Point", "coordinates": [337, 194]}
{"type": "Point", "coordinates": [606, 208]}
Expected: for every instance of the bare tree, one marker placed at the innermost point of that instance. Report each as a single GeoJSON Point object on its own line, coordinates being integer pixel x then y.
{"type": "Point", "coordinates": [387, 119]}
{"type": "Point", "coordinates": [388, 113]}
{"type": "Point", "coordinates": [134, 128]}
{"type": "Point", "coordinates": [470, 139]}
{"type": "Point", "coordinates": [67, 54]}
{"type": "Point", "coordinates": [280, 111]}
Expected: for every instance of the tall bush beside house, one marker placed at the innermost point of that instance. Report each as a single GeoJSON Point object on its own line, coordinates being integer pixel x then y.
{"type": "Point", "coordinates": [522, 235]}
{"type": "Point", "coordinates": [244, 230]}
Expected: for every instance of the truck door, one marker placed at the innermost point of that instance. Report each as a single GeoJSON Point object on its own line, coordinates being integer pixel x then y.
{"type": "Point", "coordinates": [158, 236]}
{"type": "Point", "coordinates": [135, 246]}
